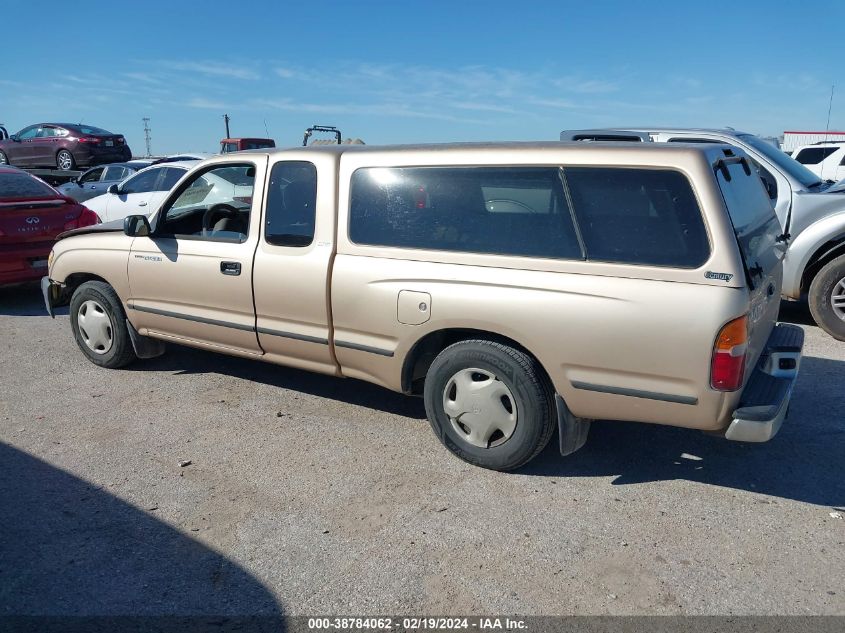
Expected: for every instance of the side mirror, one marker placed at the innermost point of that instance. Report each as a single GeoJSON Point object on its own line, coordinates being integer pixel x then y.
{"type": "Point", "coordinates": [113, 189]}
{"type": "Point", "coordinates": [136, 225]}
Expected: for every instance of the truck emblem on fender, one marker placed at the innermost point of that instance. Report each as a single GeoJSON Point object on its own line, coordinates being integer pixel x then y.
{"type": "Point", "coordinates": [723, 276]}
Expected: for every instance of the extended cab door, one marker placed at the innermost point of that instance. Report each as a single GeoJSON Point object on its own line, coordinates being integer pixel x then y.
{"type": "Point", "coordinates": [191, 279]}
{"type": "Point", "coordinates": [291, 274]}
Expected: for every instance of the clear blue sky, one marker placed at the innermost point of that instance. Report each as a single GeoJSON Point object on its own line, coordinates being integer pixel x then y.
{"type": "Point", "coordinates": [407, 71]}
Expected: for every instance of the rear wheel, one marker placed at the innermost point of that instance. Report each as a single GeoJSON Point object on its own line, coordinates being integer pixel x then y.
{"type": "Point", "coordinates": [99, 325]}
{"type": "Point", "coordinates": [490, 404]}
{"type": "Point", "coordinates": [827, 298]}
{"type": "Point", "coordinates": [4, 160]}
{"type": "Point", "coordinates": [64, 160]}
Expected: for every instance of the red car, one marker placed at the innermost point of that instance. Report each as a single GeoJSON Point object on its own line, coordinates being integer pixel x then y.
{"type": "Point", "coordinates": [63, 146]}
{"type": "Point", "coordinates": [32, 214]}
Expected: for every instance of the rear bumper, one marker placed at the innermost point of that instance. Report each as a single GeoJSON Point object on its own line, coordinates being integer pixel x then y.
{"type": "Point", "coordinates": [765, 400]}
{"type": "Point", "coordinates": [24, 265]}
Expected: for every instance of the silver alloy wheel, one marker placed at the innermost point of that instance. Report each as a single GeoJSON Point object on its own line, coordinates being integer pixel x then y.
{"type": "Point", "coordinates": [480, 407]}
{"type": "Point", "coordinates": [837, 299]}
{"type": "Point", "coordinates": [95, 327]}
{"type": "Point", "coordinates": [3, 159]}
{"type": "Point", "coordinates": [65, 160]}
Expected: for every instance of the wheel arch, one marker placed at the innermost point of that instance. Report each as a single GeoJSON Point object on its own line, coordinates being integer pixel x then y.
{"type": "Point", "coordinates": [823, 255]}
{"type": "Point", "coordinates": [423, 352]}
{"type": "Point", "coordinates": [73, 281]}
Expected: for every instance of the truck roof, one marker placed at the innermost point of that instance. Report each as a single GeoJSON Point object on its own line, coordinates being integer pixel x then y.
{"type": "Point", "coordinates": [488, 147]}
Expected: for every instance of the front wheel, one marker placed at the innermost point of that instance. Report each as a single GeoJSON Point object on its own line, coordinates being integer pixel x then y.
{"type": "Point", "coordinates": [4, 160]}
{"type": "Point", "coordinates": [65, 161]}
{"type": "Point", "coordinates": [99, 325]}
{"type": "Point", "coordinates": [827, 298]}
{"type": "Point", "coordinates": [490, 404]}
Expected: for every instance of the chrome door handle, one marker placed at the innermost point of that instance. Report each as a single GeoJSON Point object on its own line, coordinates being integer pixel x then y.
{"type": "Point", "coordinates": [142, 204]}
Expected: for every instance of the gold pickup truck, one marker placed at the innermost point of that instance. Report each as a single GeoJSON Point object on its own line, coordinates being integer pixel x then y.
{"type": "Point", "coordinates": [518, 288]}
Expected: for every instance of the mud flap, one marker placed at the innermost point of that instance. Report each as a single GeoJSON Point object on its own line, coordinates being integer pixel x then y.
{"type": "Point", "coordinates": [144, 346]}
{"type": "Point", "coordinates": [572, 430]}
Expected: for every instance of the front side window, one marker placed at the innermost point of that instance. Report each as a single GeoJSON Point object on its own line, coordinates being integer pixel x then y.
{"type": "Point", "coordinates": [92, 175]}
{"type": "Point", "coordinates": [518, 211]}
{"type": "Point", "coordinates": [144, 182]}
{"type": "Point", "coordinates": [291, 204]}
{"type": "Point", "coordinates": [814, 155]}
{"type": "Point", "coordinates": [638, 216]}
{"type": "Point", "coordinates": [28, 133]}
{"type": "Point", "coordinates": [210, 206]}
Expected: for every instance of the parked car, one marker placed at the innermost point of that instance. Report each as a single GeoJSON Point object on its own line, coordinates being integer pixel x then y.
{"type": "Point", "coordinates": [826, 160]}
{"type": "Point", "coordinates": [516, 287]}
{"type": "Point", "coordinates": [97, 180]}
{"type": "Point", "coordinates": [63, 145]}
{"type": "Point", "coordinates": [32, 214]}
{"type": "Point", "coordinates": [140, 193]}
{"type": "Point", "coordinates": [811, 213]}
{"type": "Point", "coordinates": [229, 145]}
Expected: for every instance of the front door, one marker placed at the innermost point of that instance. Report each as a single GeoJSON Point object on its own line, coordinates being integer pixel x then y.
{"type": "Point", "coordinates": [191, 280]}
{"type": "Point", "coordinates": [134, 196]}
{"type": "Point", "coordinates": [22, 153]}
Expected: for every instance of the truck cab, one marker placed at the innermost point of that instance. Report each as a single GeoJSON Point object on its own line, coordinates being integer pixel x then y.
{"type": "Point", "coordinates": [229, 145]}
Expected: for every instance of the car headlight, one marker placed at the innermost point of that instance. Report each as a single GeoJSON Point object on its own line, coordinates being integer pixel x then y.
{"type": "Point", "coordinates": [49, 261]}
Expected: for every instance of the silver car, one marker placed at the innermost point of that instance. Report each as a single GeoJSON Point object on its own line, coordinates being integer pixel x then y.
{"type": "Point", "coordinates": [97, 180]}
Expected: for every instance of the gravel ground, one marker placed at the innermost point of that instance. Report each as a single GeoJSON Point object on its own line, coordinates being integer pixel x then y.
{"type": "Point", "coordinates": [313, 495]}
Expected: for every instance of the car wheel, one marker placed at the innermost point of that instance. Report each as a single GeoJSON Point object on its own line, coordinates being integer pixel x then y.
{"type": "Point", "coordinates": [4, 160]}
{"type": "Point", "coordinates": [490, 404]}
{"type": "Point", "coordinates": [827, 298]}
{"type": "Point", "coordinates": [99, 325]}
{"type": "Point", "coordinates": [64, 160]}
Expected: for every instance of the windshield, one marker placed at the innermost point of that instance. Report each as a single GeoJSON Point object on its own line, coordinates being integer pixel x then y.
{"type": "Point", "coordinates": [16, 186]}
{"type": "Point", "coordinates": [786, 163]}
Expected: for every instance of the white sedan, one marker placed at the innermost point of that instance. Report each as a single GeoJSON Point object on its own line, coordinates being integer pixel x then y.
{"type": "Point", "coordinates": [143, 193]}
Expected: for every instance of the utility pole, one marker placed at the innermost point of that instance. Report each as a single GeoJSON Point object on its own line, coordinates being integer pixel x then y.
{"type": "Point", "coordinates": [146, 121]}
{"type": "Point", "coordinates": [226, 121]}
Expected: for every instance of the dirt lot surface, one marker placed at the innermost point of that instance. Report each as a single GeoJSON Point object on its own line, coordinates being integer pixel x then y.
{"type": "Point", "coordinates": [314, 495]}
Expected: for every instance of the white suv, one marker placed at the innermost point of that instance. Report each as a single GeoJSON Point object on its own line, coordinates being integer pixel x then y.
{"type": "Point", "coordinates": [826, 160]}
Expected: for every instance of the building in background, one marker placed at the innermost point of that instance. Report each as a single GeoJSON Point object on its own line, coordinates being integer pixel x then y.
{"type": "Point", "coordinates": [792, 140]}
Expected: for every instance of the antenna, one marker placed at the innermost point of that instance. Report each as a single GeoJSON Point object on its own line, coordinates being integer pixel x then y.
{"type": "Point", "coordinates": [829, 107]}
{"type": "Point", "coordinates": [226, 121]}
{"type": "Point", "coordinates": [146, 121]}
{"type": "Point", "coordinates": [266, 131]}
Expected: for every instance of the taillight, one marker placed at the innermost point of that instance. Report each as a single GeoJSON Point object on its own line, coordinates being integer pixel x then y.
{"type": "Point", "coordinates": [86, 139]}
{"type": "Point", "coordinates": [120, 140]}
{"type": "Point", "coordinates": [86, 218]}
{"type": "Point", "coordinates": [729, 352]}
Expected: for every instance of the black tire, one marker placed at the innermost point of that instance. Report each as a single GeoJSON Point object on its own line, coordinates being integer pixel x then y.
{"type": "Point", "coordinates": [821, 290]}
{"type": "Point", "coordinates": [120, 352]}
{"type": "Point", "coordinates": [532, 394]}
{"type": "Point", "coordinates": [4, 160]}
{"type": "Point", "coordinates": [62, 157]}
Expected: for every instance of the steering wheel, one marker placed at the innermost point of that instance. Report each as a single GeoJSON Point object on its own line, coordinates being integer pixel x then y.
{"type": "Point", "coordinates": [516, 203]}
{"type": "Point", "coordinates": [217, 212]}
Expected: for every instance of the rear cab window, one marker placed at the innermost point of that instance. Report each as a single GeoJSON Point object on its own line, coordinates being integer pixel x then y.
{"type": "Point", "coordinates": [639, 216]}
{"type": "Point", "coordinates": [755, 224]}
